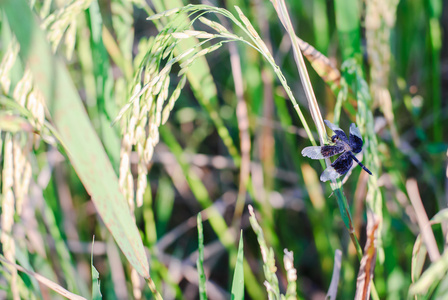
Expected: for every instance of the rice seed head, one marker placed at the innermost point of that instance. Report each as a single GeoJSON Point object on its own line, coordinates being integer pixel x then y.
{"type": "Point", "coordinates": [187, 63]}
{"type": "Point", "coordinates": [23, 187]}
{"type": "Point", "coordinates": [141, 183]}
{"type": "Point", "coordinates": [230, 36]}
{"type": "Point", "coordinates": [8, 174]}
{"type": "Point", "coordinates": [130, 192]}
{"type": "Point", "coordinates": [7, 63]}
{"type": "Point", "coordinates": [184, 54]}
{"type": "Point", "coordinates": [149, 150]}
{"type": "Point", "coordinates": [288, 261]}
{"type": "Point", "coordinates": [23, 88]}
{"type": "Point", "coordinates": [166, 13]}
{"type": "Point", "coordinates": [169, 50]}
{"type": "Point", "coordinates": [252, 31]}
{"type": "Point", "coordinates": [216, 26]}
{"type": "Point", "coordinates": [124, 167]}
{"type": "Point", "coordinates": [70, 38]}
{"type": "Point", "coordinates": [183, 71]}
{"type": "Point", "coordinates": [60, 20]}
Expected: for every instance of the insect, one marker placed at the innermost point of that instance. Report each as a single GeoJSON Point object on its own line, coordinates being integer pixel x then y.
{"type": "Point", "coordinates": [341, 145]}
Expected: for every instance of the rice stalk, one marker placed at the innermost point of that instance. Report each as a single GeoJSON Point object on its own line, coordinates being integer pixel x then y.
{"type": "Point", "coordinates": [269, 268]}
{"type": "Point", "coordinates": [291, 275]}
{"type": "Point", "coordinates": [155, 78]}
{"type": "Point", "coordinates": [380, 19]}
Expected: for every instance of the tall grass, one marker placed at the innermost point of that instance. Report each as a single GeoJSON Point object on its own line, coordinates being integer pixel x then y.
{"type": "Point", "coordinates": [174, 132]}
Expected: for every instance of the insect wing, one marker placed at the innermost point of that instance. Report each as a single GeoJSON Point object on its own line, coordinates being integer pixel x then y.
{"type": "Point", "coordinates": [330, 150]}
{"type": "Point", "coordinates": [338, 131]}
{"type": "Point", "coordinates": [339, 167]}
{"type": "Point", "coordinates": [313, 152]}
{"type": "Point", "coordinates": [343, 163]}
{"type": "Point", "coordinates": [329, 174]}
{"type": "Point", "coordinates": [355, 139]}
{"type": "Point", "coordinates": [317, 152]}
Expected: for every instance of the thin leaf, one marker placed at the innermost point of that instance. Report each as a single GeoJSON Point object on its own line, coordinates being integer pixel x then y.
{"type": "Point", "coordinates": [431, 276]}
{"type": "Point", "coordinates": [96, 291]}
{"type": "Point", "coordinates": [45, 281]}
{"type": "Point", "coordinates": [367, 267]}
{"type": "Point", "coordinates": [238, 274]}
{"type": "Point", "coordinates": [333, 289]}
{"type": "Point", "coordinates": [200, 261]}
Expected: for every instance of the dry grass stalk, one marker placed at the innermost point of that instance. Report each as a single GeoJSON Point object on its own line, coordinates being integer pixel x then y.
{"type": "Point", "coordinates": [423, 221]}
{"type": "Point", "coordinates": [333, 289]}
{"type": "Point", "coordinates": [367, 265]}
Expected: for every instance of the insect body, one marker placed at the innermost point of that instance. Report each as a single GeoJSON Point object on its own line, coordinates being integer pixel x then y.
{"type": "Point", "coordinates": [341, 145]}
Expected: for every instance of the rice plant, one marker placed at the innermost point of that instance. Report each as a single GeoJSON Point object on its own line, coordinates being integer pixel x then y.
{"type": "Point", "coordinates": [152, 149]}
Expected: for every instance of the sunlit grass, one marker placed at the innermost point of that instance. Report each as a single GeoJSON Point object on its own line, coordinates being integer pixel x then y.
{"type": "Point", "coordinates": [172, 133]}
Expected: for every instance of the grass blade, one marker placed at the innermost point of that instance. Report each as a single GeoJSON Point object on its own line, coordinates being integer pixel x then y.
{"type": "Point", "coordinates": [238, 274]}
{"type": "Point", "coordinates": [45, 281]}
{"type": "Point", "coordinates": [96, 291]}
{"type": "Point", "coordinates": [200, 261]}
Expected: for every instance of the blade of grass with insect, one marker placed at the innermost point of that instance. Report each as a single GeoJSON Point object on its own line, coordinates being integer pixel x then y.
{"type": "Point", "coordinates": [254, 37]}
{"type": "Point", "coordinates": [200, 260]}
{"type": "Point", "coordinates": [262, 197]}
{"type": "Point", "coordinates": [237, 290]}
{"type": "Point", "coordinates": [318, 212]}
{"type": "Point", "coordinates": [88, 158]}
{"type": "Point", "coordinates": [348, 26]}
{"type": "Point", "coordinates": [282, 12]}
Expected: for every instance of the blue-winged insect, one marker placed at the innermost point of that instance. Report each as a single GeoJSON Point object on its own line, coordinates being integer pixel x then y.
{"type": "Point", "coordinates": [340, 145]}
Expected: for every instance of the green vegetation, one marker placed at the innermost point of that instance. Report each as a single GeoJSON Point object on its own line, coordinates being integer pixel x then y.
{"type": "Point", "coordinates": [152, 150]}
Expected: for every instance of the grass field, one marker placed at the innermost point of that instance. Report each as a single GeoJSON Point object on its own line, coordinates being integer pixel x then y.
{"type": "Point", "coordinates": [152, 149]}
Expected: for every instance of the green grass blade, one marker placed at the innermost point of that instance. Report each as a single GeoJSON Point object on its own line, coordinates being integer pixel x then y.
{"type": "Point", "coordinates": [434, 8]}
{"type": "Point", "coordinates": [200, 261]}
{"type": "Point", "coordinates": [433, 275]}
{"type": "Point", "coordinates": [86, 152]}
{"type": "Point", "coordinates": [104, 84]}
{"type": "Point", "coordinates": [238, 275]}
{"type": "Point", "coordinates": [96, 291]}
